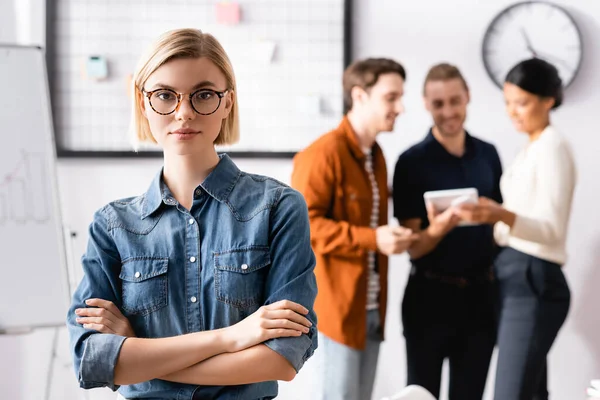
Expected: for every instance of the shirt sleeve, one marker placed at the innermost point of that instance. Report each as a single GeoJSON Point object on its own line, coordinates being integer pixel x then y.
{"type": "Point", "coordinates": [95, 354]}
{"type": "Point", "coordinates": [546, 223]}
{"type": "Point", "coordinates": [292, 273]}
{"type": "Point", "coordinates": [407, 193]}
{"type": "Point", "coordinates": [314, 177]}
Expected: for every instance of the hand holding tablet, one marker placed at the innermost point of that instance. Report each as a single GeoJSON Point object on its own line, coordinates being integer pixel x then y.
{"type": "Point", "coordinates": [441, 200]}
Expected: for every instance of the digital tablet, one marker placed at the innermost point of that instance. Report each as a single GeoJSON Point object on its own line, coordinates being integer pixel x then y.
{"type": "Point", "coordinates": [443, 199]}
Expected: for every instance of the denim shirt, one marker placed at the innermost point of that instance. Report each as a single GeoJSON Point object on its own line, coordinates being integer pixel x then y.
{"type": "Point", "coordinates": [244, 243]}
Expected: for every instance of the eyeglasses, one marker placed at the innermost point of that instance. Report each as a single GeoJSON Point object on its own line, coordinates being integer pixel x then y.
{"type": "Point", "coordinates": [167, 101]}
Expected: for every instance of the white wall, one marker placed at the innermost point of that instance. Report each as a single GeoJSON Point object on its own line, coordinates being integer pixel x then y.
{"type": "Point", "coordinates": [430, 31]}
{"type": "Point", "coordinates": [419, 35]}
{"type": "Point", "coordinates": [8, 32]}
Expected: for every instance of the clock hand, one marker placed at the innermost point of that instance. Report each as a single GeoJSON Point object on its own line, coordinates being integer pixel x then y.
{"type": "Point", "coordinates": [528, 43]}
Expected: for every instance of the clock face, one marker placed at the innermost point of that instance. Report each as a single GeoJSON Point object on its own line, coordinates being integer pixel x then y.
{"type": "Point", "coordinates": [532, 29]}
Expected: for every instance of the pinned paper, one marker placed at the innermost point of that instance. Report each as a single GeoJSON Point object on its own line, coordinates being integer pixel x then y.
{"type": "Point", "coordinates": [228, 13]}
{"type": "Point", "coordinates": [95, 68]}
{"type": "Point", "coordinates": [309, 104]}
{"type": "Point", "coordinates": [265, 51]}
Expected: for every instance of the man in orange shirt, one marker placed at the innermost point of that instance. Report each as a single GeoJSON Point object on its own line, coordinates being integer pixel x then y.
{"type": "Point", "coordinates": [343, 178]}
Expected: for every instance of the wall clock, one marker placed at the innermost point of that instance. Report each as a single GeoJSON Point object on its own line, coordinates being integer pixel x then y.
{"type": "Point", "coordinates": [532, 29]}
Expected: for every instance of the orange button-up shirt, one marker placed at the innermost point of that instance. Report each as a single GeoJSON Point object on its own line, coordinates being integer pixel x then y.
{"type": "Point", "coordinates": [331, 175]}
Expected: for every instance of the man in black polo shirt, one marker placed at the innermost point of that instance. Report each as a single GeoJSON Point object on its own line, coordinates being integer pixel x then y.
{"type": "Point", "coordinates": [448, 306]}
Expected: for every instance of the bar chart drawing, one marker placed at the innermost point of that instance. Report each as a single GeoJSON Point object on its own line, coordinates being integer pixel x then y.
{"type": "Point", "coordinates": [24, 194]}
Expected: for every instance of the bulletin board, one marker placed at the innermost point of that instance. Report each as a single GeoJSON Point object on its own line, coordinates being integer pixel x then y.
{"type": "Point", "coordinates": [288, 57]}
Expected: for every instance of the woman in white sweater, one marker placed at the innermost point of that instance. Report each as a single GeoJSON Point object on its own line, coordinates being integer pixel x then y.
{"type": "Point", "coordinates": [531, 226]}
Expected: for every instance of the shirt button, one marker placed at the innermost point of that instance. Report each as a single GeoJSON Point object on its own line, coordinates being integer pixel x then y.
{"type": "Point", "coordinates": [191, 221]}
{"type": "Point", "coordinates": [192, 259]}
{"type": "Point", "coordinates": [138, 274]}
{"type": "Point", "coordinates": [244, 266]}
{"type": "Point", "coordinates": [193, 299]}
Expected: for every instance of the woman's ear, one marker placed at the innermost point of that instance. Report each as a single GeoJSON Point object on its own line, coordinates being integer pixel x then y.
{"type": "Point", "coordinates": [548, 103]}
{"type": "Point", "coordinates": [140, 97]}
{"type": "Point", "coordinates": [229, 100]}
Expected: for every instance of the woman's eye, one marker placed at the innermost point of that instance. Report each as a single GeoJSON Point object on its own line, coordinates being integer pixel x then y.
{"type": "Point", "coordinates": [204, 95]}
{"type": "Point", "coordinates": [164, 95]}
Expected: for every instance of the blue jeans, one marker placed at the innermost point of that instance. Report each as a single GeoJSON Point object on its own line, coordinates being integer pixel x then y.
{"type": "Point", "coordinates": [344, 373]}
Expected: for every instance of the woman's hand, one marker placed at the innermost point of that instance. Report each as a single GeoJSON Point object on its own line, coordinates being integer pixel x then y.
{"type": "Point", "coordinates": [104, 317]}
{"type": "Point", "coordinates": [281, 319]}
{"type": "Point", "coordinates": [486, 211]}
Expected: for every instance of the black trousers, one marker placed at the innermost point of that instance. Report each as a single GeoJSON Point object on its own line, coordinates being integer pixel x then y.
{"type": "Point", "coordinates": [443, 320]}
{"type": "Point", "coordinates": [534, 302]}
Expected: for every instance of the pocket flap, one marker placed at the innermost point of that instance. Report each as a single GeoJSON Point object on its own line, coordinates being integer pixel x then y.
{"type": "Point", "coordinates": [138, 269]}
{"type": "Point", "coordinates": [244, 260]}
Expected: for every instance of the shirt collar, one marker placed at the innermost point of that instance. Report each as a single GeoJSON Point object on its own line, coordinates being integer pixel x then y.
{"type": "Point", "coordinates": [218, 184]}
{"type": "Point", "coordinates": [469, 145]}
{"type": "Point", "coordinates": [547, 133]}
{"type": "Point", "coordinates": [352, 140]}
{"type": "Point", "coordinates": [221, 181]}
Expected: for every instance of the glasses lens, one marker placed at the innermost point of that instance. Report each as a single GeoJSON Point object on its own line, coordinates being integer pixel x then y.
{"type": "Point", "coordinates": [205, 101]}
{"type": "Point", "coordinates": [164, 101]}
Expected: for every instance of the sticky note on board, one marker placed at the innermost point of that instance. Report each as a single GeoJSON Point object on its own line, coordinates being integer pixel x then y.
{"type": "Point", "coordinates": [95, 68]}
{"type": "Point", "coordinates": [228, 13]}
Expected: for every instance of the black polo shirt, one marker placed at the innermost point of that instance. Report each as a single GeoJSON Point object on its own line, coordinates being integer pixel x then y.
{"type": "Point", "coordinates": [466, 251]}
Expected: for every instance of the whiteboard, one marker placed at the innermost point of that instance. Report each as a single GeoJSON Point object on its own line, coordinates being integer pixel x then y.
{"type": "Point", "coordinates": [33, 283]}
{"type": "Point", "coordinates": [288, 57]}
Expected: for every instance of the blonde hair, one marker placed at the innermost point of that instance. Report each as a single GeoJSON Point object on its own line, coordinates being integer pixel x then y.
{"type": "Point", "coordinates": [177, 44]}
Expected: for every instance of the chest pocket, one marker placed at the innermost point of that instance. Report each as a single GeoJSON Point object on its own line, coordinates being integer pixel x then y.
{"type": "Point", "coordinates": [358, 204]}
{"type": "Point", "coordinates": [144, 284]}
{"type": "Point", "coordinates": [240, 276]}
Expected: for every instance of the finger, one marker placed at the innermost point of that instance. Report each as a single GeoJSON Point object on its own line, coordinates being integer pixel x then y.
{"type": "Point", "coordinates": [111, 327]}
{"type": "Point", "coordinates": [401, 231]}
{"type": "Point", "coordinates": [98, 327]}
{"type": "Point", "coordinates": [450, 211]}
{"type": "Point", "coordinates": [289, 315]}
{"type": "Point", "coordinates": [96, 320]}
{"type": "Point", "coordinates": [277, 333]}
{"type": "Point", "coordinates": [289, 305]}
{"type": "Point", "coordinates": [484, 200]}
{"type": "Point", "coordinates": [96, 312]}
{"type": "Point", "coordinates": [404, 239]}
{"type": "Point", "coordinates": [284, 324]}
{"type": "Point", "coordinates": [430, 209]}
{"type": "Point", "coordinates": [464, 214]}
{"type": "Point", "coordinates": [467, 206]}
{"type": "Point", "coordinates": [478, 213]}
{"type": "Point", "coordinates": [106, 304]}
{"type": "Point", "coordinates": [454, 220]}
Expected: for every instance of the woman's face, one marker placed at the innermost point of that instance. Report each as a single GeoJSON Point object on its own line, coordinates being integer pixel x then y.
{"type": "Point", "coordinates": [528, 112]}
{"type": "Point", "coordinates": [184, 131]}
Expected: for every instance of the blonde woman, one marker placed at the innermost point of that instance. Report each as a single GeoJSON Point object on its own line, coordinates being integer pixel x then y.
{"type": "Point", "coordinates": [202, 287]}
